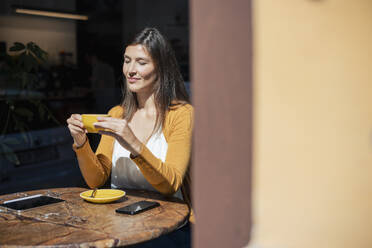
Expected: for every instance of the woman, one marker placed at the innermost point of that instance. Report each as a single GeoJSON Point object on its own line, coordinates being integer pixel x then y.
{"type": "Point", "coordinates": [147, 140]}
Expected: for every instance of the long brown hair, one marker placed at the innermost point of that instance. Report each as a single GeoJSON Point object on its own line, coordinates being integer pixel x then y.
{"type": "Point", "coordinates": [169, 89]}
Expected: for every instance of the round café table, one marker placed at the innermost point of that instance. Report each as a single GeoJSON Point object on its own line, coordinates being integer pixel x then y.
{"type": "Point", "coordinates": [78, 223]}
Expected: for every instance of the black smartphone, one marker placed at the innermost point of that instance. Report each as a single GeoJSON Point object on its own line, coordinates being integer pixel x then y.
{"type": "Point", "coordinates": [30, 202]}
{"type": "Point", "coordinates": [137, 207]}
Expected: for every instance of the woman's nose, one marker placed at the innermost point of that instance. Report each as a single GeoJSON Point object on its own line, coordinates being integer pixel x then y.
{"type": "Point", "coordinates": [132, 70]}
{"type": "Point", "coordinates": [132, 73]}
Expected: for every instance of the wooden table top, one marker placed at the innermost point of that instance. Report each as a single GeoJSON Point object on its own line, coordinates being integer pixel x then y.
{"type": "Point", "coordinates": [78, 223]}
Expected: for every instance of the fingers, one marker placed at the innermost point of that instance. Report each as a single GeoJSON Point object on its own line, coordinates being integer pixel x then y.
{"type": "Point", "coordinates": [76, 126]}
{"type": "Point", "coordinates": [113, 124]}
{"type": "Point", "coordinates": [75, 120]}
{"type": "Point", "coordinates": [78, 135]}
{"type": "Point", "coordinates": [75, 130]}
{"type": "Point", "coordinates": [111, 119]}
{"type": "Point", "coordinates": [105, 125]}
{"type": "Point", "coordinates": [77, 117]}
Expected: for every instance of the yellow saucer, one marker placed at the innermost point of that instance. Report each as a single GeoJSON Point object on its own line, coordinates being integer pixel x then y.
{"type": "Point", "coordinates": [103, 195]}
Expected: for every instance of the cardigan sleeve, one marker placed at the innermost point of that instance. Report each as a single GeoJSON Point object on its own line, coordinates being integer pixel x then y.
{"type": "Point", "coordinates": [168, 176]}
{"type": "Point", "coordinates": [96, 167]}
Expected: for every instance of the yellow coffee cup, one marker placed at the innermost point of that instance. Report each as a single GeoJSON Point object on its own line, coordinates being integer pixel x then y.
{"type": "Point", "coordinates": [89, 119]}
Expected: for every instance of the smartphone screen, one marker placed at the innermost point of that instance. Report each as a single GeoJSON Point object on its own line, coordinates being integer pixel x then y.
{"type": "Point", "coordinates": [30, 202]}
{"type": "Point", "coordinates": [137, 207]}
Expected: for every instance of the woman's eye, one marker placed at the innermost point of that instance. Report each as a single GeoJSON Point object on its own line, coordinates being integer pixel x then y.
{"type": "Point", "coordinates": [142, 63]}
{"type": "Point", "coordinates": [126, 61]}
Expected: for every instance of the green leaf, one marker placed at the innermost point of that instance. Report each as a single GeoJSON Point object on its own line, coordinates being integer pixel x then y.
{"type": "Point", "coordinates": [28, 62]}
{"type": "Point", "coordinates": [37, 48]}
{"type": "Point", "coordinates": [30, 45]}
{"type": "Point", "coordinates": [37, 51]}
{"type": "Point", "coordinates": [17, 47]}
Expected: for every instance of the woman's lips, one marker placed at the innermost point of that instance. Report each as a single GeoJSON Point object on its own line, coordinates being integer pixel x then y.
{"type": "Point", "coordinates": [133, 80]}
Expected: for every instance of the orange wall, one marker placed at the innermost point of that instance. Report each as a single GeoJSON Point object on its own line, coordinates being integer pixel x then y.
{"type": "Point", "coordinates": [312, 183]}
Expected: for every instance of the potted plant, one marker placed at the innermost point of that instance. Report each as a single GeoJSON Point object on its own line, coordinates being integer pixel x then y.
{"type": "Point", "coordinates": [19, 74]}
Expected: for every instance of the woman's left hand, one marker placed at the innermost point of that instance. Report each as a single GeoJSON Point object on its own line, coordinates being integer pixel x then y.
{"type": "Point", "coordinates": [120, 130]}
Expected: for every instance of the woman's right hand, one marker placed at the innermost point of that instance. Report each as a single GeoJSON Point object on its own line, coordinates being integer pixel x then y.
{"type": "Point", "coordinates": [77, 130]}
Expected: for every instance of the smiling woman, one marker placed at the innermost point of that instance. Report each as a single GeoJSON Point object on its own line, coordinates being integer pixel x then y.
{"type": "Point", "coordinates": [146, 142]}
{"type": "Point", "coordinates": [139, 69]}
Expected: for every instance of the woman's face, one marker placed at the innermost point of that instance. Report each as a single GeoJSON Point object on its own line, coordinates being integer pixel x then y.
{"type": "Point", "coordinates": [139, 69]}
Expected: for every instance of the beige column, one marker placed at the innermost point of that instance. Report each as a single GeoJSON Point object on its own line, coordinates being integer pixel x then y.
{"type": "Point", "coordinates": [312, 124]}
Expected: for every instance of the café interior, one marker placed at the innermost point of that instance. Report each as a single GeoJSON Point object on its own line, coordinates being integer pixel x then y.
{"type": "Point", "coordinates": [284, 141]}
{"type": "Point", "coordinates": [76, 43]}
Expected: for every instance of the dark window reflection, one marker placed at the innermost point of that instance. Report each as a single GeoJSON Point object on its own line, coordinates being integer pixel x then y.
{"type": "Point", "coordinates": [81, 74]}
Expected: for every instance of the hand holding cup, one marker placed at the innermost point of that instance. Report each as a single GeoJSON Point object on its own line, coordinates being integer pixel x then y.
{"type": "Point", "coordinates": [77, 130]}
{"type": "Point", "coordinates": [89, 120]}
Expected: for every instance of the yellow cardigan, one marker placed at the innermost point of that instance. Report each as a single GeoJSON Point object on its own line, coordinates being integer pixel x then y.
{"type": "Point", "coordinates": [166, 177]}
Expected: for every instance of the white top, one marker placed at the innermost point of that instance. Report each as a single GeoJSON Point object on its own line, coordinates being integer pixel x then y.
{"type": "Point", "coordinates": [126, 174]}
